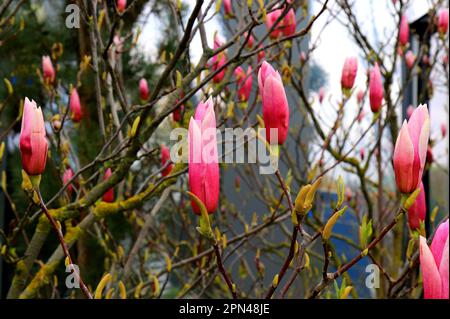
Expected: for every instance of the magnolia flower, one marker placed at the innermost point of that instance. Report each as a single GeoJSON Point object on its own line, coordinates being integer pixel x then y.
{"type": "Point", "coordinates": [67, 176]}
{"type": "Point", "coordinates": [75, 106]}
{"type": "Point", "coordinates": [218, 60]}
{"type": "Point", "coordinates": [33, 144]}
{"type": "Point", "coordinates": [410, 58]}
{"type": "Point", "coordinates": [275, 104]}
{"type": "Point", "coordinates": [165, 157]}
{"type": "Point", "coordinates": [375, 89]}
{"type": "Point", "coordinates": [418, 211]}
{"type": "Point", "coordinates": [47, 69]}
{"type": "Point", "coordinates": [121, 5]}
{"type": "Point", "coordinates": [108, 196]}
{"type": "Point", "coordinates": [434, 264]}
{"type": "Point", "coordinates": [443, 22]}
{"type": "Point", "coordinates": [250, 40]}
{"type": "Point", "coordinates": [360, 96]}
{"type": "Point", "coordinates": [143, 89]}
{"type": "Point", "coordinates": [228, 8]}
{"type": "Point", "coordinates": [244, 83]}
{"type": "Point", "coordinates": [349, 73]}
{"type": "Point", "coordinates": [443, 130]}
{"type": "Point", "coordinates": [203, 157]}
{"type": "Point", "coordinates": [403, 36]}
{"type": "Point", "coordinates": [411, 150]}
{"type": "Point", "coordinates": [321, 94]}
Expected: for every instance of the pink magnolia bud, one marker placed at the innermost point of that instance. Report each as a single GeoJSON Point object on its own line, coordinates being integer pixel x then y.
{"type": "Point", "coordinates": [75, 106]}
{"type": "Point", "coordinates": [362, 153]}
{"type": "Point", "coordinates": [218, 60]}
{"type": "Point", "coordinates": [250, 41]}
{"type": "Point", "coordinates": [67, 176]}
{"type": "Point", "coordinates": [403, 36]}
{"type": "Point", "coordinates": [409, 111]}
{"type": "Point", "coordinates": [418, 211]}
{"type": "Point", "coordinates": [411, 150]}
{"type": "Point", "coordinates": [360, 96]}
{"type": "Point", "coordinates": [261, 54]}
{"type": "Point", "coordinates": [143, 89]}
{"type": "Point", "coordinates": [228, 8]}
{"type": "Point", "coordinates": [176, 114]}
{"type": "Point", "coordinates": [443, 22]}
{"type": "Point", "coordinates": [410, 58]}
{"type": "Point", "coordinates": [203, 157]}
{"type": "Point", "coordinates": [289, 23]}
{"type": "Point", "coordinates": [121, 5]}
{"type": "Point", "coordinates": [47, 70]}
{"type": "Point", "coordinates": [445, 59]}
{"type": "Point", "coordinates": [244, 83]}
{"type": "Point", "coordinates": [321, 94]}
{"type": "Point", "coordinates": [271, 18]}
{"type": "Point", "coordinates": [434, 264]}
{"type": "Point", "coordinates": [108, 196]}
{"type": "Point", "coordinates": [361, 115]}
{"type": "Point", "coordinates": [33, 144]}
{"type": "Point", "coordinates": [275, 104]}
{"type": "Point", "coordinates": [375, 89]}
{"type": "Point", "coordinates": [348, 194]}
{"type": "Point", "coordinates": [426, 59]}
{"type": "Point", "coordinates": [349, 73]}
{"type": "Point", "coordinates": [443, 130]}
{"type": "Point", "coordinates": [165, 157]}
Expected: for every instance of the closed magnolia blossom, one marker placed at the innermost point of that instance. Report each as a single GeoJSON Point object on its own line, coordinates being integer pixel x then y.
{"type": "Point", "coordinates": [410, 58]}
{"type": "Point", "coordinates": [218, 60]}
{"type": "Point", "coordinates": [143, 89]}
{"type": "Point", "coordinates": [418, 210]}
{"type": "Point", "coordinates": [349, 73]}
{"type": "Point", "coordinates": [321, 94]}
{"type": "Point", "coordinates": [289, 23]}
{"type": "Point", "coordinates": [33, 144]}
{"type": "Point", "coordinates": [411, 150]}
{"type": "Point", "coordinates": [403, 37]}
{"type": "Point", "coordinates": [275, 105]}
{"type": "Point", "coordinates": [375, 89]}
{"type": "Point", "coordinates": [250, 40]}
{"type": "Point", "coordinates": [360, 96]}
{"type": "Point", "coordinates": [121, 5]}
{"type": "Point", "coordinates": [67, 176]}
{"type": "Point", "coordinates": [165, 158]}
{"type": "Point", "coordinates": [434, 264]}
{"type": "Point", "coordinates": [261, 53]}
{"type": "Point", "coordinates": [228, 8]}
{"type": "Point", "coordinates": [75, 106]}
{"type": "Point", "coordinates": [203, 164]}
{"type": "Point", "coordinates": [177, 113]}
{"type": "Point", "coordinates": [48, 71]}
{"type": "Point", "coordinates": [286, 26]}
{"type": "Point", "coordinates": [443, 129]}
{"type": "Point", "coordinates": [362, 153]}
{"type": "Point", "coordinates": [108, 196]}
{"type": "Point", "coordinates": [443, 22]}
{"type": "Point", "coordinates": [271, 18]}
{"type": "Point", "coordinates": [244, 83]}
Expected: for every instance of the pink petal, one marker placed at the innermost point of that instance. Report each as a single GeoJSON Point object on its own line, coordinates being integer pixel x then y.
{"type": "Point", "coordinates": [430, 274]}
{"type": "Point", "coordinates": [403, 161]}
{"type": "Point", "coordinates": [443, 271]}
{"type": "Point", "coordinates": [438, 243]}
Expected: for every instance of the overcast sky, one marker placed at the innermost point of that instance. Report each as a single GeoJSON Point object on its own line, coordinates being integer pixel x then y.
{"type": "Point", "coordinates": [335, 46]}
